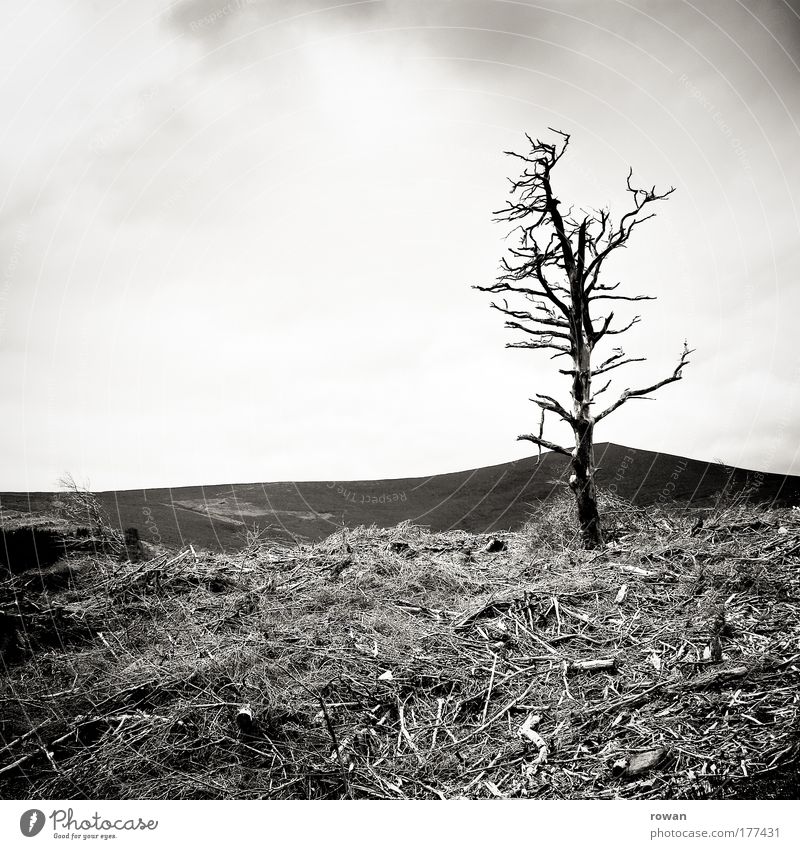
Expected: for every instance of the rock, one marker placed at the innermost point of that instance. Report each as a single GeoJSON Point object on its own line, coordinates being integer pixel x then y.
{"type": "Point", "coordinates": [642, 762]}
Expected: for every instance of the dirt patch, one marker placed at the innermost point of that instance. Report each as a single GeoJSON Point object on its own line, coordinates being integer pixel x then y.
{"type": "Point", "coordinates": [230, 509]}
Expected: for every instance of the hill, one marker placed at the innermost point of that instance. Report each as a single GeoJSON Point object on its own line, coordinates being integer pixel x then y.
{"type": "Point", "coordinates": [488, 499]}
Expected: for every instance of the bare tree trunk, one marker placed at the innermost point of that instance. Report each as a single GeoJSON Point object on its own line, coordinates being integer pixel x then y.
{"type": "Point", "coordinates": [583, 486]}
{"type": "Point", "coordinates": [582, 478]}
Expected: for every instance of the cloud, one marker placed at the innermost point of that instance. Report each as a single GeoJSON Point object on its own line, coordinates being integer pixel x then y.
{"type": "Point", "coordinates": [254, 227]}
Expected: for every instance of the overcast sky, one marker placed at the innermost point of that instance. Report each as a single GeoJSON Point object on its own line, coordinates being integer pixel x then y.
{"type": "Point", "coordinates": [237, 240]}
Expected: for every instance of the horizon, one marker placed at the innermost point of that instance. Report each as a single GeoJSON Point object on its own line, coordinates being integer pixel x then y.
{"type": "Point", "coordinates": [599, 446]}
{"type": "Point", "coordinates": [238, 240]}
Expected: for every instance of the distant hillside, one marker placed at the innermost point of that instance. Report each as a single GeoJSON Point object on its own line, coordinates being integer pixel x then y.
{"type": "Point", "coordinates": [478, 500]}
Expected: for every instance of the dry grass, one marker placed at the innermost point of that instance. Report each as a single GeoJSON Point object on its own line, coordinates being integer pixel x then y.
{"type": "Point", "coordinates": [404, 664]}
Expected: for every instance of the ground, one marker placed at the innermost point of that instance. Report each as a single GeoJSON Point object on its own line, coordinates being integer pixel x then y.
{"type": "Point", "coordinates": [399, 663]}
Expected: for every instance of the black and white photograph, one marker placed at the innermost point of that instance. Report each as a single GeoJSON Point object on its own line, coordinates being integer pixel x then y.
{"type": "Point", "coordinates": [399, 403]}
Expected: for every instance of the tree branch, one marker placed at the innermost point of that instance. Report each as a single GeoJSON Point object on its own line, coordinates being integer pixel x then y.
{"type": "Point", "coordinates": [533, 343]}
{"type": "Point", "coordinates": [641, 393]}
{"type": "Point", "coordinates": [622, 297]}
{"type": "Point", "coordinates": [620, 362]}
{"type": "Point", "coordinates": [599, 391]}
{"type": "Point", "coordinates": [549, 334]}
{"type": "Point", "coordinates": [544, 443]}
{"type": "Point", "coordinates": [551, 405]}
{"type": "Point", "coordinates": [605, 331]}
{"type": "Point", "coordinates": [617, 238]}
{"type": "Point", "coordinates": [523, 315]}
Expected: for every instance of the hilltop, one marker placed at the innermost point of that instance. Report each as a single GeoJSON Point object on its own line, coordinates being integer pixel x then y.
{"type": "Point", "coordinates": [483, 500]}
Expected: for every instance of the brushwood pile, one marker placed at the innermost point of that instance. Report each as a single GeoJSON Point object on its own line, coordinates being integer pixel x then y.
{"type": "Point", "coordinates": [398, 663]}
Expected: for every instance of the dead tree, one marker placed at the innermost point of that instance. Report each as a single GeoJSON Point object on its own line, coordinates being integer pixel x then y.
{"type": "Point", "coordinates": [554, 274]}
